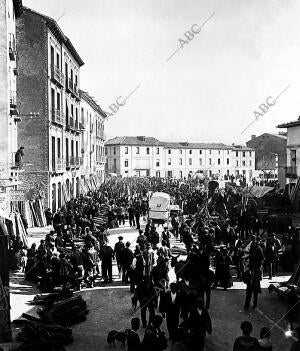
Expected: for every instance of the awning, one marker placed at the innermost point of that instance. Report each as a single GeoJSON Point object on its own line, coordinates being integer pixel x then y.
{"type": "Point", "coordinates": [257, 191]}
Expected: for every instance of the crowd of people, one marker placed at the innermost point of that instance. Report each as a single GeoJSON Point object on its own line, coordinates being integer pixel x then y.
{"type": "Point", "coordinates": [215, 228]}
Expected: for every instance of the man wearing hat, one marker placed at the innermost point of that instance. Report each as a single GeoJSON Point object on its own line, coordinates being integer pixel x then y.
{"type": "Point", "coordinates": [119, 247]}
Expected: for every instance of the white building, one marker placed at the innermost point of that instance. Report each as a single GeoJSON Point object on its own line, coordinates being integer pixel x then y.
{"type": "Point", "coordinates": [10, 10]}
{"type": "Point", "coordinates": [93, 137]}
{"type": "Point", "coordinates": [144, 156]}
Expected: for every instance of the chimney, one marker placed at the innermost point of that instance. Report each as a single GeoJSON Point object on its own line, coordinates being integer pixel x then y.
{"type": "Point", "coordinates": [253, 136]}
{"type": "Point", "coordinates": [141, 138]}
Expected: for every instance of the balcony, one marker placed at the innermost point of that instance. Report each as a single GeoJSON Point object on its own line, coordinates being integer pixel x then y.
{"type": "Point", "coordinates": [70, 124]}
{"type": "Point", "coordinates": [12, 47]}
{"type": "Point", "coordinates": [101, 135]}
{"type": "Point", "coordinates": [72, 88]}
{"type": "Point", "coordinates": [57, 75]}
{"type": "Point", "coordinates": [57, 117]}
{"type": "Point", "coordinates": [78, 161]}
{"type": "Point", "coordinates": [58, 165]}
{"type": "Point", "coordinates": [291, 172]}
{"type": "Point", "coordinates": [13, 103]}
{"type": "Point", "coordinates": [102, 159]}
{"type": "Point", "coordinates": [70, 161]}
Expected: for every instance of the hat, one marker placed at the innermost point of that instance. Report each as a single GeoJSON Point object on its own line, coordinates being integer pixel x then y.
{"type": "Point", "coordinates": [140, 231]}
{"type": "Point", "coordinates": [120, 237]}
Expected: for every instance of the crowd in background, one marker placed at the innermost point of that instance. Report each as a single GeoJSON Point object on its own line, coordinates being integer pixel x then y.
{"type": "Point", "coordinates": [216, 227]}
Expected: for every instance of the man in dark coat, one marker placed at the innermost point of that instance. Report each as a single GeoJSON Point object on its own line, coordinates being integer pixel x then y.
{"type": "Point", "coordinates": [145, 294]}
{"type": "Point", "coordinates": [126, 262]}
{"type": "Point", "coordinates": [131, 214]}
{"type": "Point", "coordinates": [199, 323]}
{"type": "Point", "coordinates": [119, 247]}
{"type": "Point", "coordinates": [106, 255]}
{"type": "Point", "coordinates": [252, 279]}
{"type": "Point", "coordinates": [170, 308]}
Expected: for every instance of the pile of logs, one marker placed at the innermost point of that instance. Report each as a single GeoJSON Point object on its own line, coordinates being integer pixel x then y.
{"type": "Point", "coordinates": [51, 329]}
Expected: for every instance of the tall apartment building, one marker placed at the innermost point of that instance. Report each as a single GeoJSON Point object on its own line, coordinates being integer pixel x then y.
{"type": "Point", "coordinates": [292, 169]}
{"type": "Point", "coordinates": [92, 139]}
{"type": "Point", "coordinates": [270, 155]}
{"type": "Point", "coordinates": [10, 10]}
{"type": "Point", "coordinates": [49, 81]}
{"type": "Point", "coordinates": [144, 156]}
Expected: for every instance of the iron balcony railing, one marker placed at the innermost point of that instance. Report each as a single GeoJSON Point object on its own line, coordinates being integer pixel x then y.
{"type": "Point", "coordinates": [73, 88]}
{"type": "Point", "coordinates": [102, 159]}
{"type": "Point", "coordinates": [57, 75]}
{"type": "Point", "coordinates": [57, 116]}
{"type": "Point", "coordinates": [70, 161]}
{"type": "Point", "coordinates": [13, 99]}
{"type": "Point", "coordinates": [12, 47]}
{"type": "Point", "coordinates": [58, 164]}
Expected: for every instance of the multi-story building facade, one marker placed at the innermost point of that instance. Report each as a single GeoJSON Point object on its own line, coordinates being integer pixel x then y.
{"type": "Point", "coordinates": [10, 10]}
{"type": "Point", "coordinates": [93, 137]}
{"type": "Point", "coordinates": [48, 84]}
{"type": "Point", "coordinates": [270, 156]}
{"type": "Point", "coordinates": [144, 156]}
{"type": "Point", "coordinates": [293, 160]}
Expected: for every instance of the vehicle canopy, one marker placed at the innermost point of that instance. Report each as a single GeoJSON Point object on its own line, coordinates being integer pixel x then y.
{"type": "Point", "coordinates": [159, 206]}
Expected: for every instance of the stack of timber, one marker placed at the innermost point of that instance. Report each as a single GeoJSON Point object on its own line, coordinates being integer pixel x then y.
{"type": "Point", "coordinates": [51, 329]}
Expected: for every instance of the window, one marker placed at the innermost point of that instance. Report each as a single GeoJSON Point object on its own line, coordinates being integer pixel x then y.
{"type": "Point", "coordinates": [244, 172]}
{"type": "Point", "coordinates": [219, 152]}
{"type": "Point", "coordinates": [200, 161]}
{"type": "Point", "coordinates": [58, 101]}
{"type": "Point", "coordinates": [180, 162]}
{"type": "Point", "coordinates": [244, 163]}
{"type": "Point", "coordinates": [190, 161]}
{"type": "Point", "coordinates": [200, 152]}
{"type": "Point", "coordinates": [227, 161]}
{"type": "Point", "coordinates": [114, 150]}
{"type": "Point", "coordinates": [157, 151]}
{"type": "Point", "coordinates": [58, 147]}
{"type": "Point", "coordinates": [227, 152]}
{"type": "Point", "coordinates": [237, 163]}
{"type": "Point", "coordinates": [190, 152]}
{"type": "Point", "coordinates": [106, 151]}
{"type": "Point", "coordinates": [137, 150]}
{"type": "Point", "coordinates": [157, 163]}
{"type": "Point", "coordinates": [126, 150]}
{"type": "Point", "coordinates": [147, 150]}
{"type": "Point", "coordinates": [250, 163]}
{"type": "Point", "coordinates": [126, 163]}
{"type": "Point", "coordinates": [210, 172]}
{"type": "Point", "coordinates": [244, 153]}
{"type": "Point", "coordinates": [169, 152]}
{"type": "Point", "coordinates": [209, 161]}
{"type": "Point", "coordinates": [219, 161]}
{"type": "Point", "coordinates": [236, 154]}
{"type": "Point", "coordinates": [210, 152]}
{"type": "Point", "coordinates": [250, 153]}
{"type": "Point", "coordinates": [180, 151]}
{"type": "Point", "coordinates": [169, 162]}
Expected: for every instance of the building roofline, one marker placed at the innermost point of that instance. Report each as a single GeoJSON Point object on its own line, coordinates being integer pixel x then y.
{"type": "Point", "coordinates": [87, 97]}
{"type": "Point", "coordinates": [150, 141]}
{"type": "Point", "coordinates": [290, 124]}
{"type": "Point", "coordinates": [18, 7]}
{"type": "Point", "coordinates": [59, 34]}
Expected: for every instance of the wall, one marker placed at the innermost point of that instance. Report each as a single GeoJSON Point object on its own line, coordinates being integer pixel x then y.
{"type": "Point", "coordinates": [33, 94]}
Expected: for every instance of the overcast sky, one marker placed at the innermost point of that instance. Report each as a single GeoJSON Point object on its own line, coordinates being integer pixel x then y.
{"type": "Point", "coordinates": [208, 91]}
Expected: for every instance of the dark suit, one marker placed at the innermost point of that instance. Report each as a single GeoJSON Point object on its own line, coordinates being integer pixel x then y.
{"type": "Point", "coordinates": [172, 311]}
{"type": "Point", "coordinates": [199, 325]}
